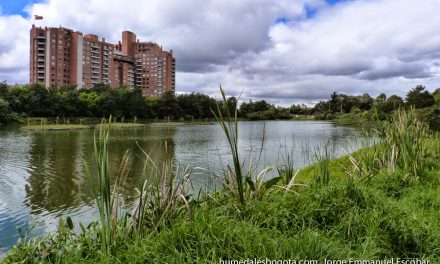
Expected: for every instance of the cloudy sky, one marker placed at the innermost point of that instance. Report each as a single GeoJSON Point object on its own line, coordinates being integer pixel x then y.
{"type": "Point", "coordinates": [284, 51]}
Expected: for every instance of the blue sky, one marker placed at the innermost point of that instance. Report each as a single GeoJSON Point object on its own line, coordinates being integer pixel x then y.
{"type": "Point", "coordinates": [13, 7]}
{"type": "Point", "coordinates": [284, 51]}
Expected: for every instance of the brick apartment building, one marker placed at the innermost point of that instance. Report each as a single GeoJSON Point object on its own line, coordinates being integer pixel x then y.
{"type": "Point", "coordinates": [61, 56]}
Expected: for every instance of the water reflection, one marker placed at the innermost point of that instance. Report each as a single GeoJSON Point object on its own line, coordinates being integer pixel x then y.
{"type": "Point", "coordinates": [42, 173]}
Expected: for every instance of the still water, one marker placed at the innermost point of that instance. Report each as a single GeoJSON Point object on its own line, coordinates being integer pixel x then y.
{"type": "Point", "coordinates": [42, 172]}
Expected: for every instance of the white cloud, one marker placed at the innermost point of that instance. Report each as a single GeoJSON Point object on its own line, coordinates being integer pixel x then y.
{"type": "Point", "coordinates": [14, 49]}
{"type": "Point", "coordinates": [355, 46]}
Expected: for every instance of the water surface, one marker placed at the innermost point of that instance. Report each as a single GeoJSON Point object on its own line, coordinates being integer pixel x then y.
{"type": "Point", "coordinates": [42, 172]}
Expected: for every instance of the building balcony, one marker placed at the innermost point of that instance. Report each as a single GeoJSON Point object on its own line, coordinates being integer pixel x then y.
{"type": "Point", "coordinates": [41, 37]}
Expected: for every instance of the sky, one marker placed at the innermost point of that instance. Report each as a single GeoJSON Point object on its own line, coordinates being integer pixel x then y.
{"type": "Point", "coordinates": [283, 51]}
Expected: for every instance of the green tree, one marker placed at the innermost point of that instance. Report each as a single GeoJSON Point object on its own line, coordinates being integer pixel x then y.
{"type": "Point", "coordinates": [232, 104]}
{"type": "Point", "coordinates": [436, 95]}
{"type": "Point", "coordinates": [168, 107]}
{"type": "Point", "coordinates": [5, 112]}
{"type": "Point", "coordinates": [381, 98]}
{"type": "Point", "coordinates": [419, 97]}
{"type": "Point", "coordinates": [3, 89]}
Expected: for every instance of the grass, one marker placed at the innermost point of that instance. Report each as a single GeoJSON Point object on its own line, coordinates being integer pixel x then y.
{"type": "Point", "coordinates": [54, 127]}
{"type": "Point", "coordinates": [123, 125]}
{"type": "Point", "coordinates": [372, 204]}
{"type": "Point", "coordinates": [77, 126]}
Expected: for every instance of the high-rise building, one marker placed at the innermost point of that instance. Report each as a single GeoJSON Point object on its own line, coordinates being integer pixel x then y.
{"type": "Point", "coordinates": [61, 56]}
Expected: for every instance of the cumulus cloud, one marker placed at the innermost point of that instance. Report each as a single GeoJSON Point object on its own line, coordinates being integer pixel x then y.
{"type": "Point", "coordinates": [14, 49]}
{"type": "Point", "coordinates": [284, 51]}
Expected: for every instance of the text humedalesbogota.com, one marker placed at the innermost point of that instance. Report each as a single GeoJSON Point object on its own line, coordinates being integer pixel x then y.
{"type": "Point", "coordinates": [327, 261]}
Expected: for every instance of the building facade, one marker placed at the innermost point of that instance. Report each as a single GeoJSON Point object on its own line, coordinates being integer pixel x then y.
{"type": "Point", "coordinates": [61, 56]}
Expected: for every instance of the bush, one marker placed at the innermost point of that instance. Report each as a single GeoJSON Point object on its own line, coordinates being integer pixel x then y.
{"type": "Point", "coordinates": [6, 115]}
{"type": "Point", "coordinates": [431, 116]}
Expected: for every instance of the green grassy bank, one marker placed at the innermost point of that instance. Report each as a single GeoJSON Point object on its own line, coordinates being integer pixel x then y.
{"type": "Point", "coordinates": [381, 202]}
{"type": "Point", "coordinates": [55, 127]}
{"type": "Point", "coordinates": [122, 125]}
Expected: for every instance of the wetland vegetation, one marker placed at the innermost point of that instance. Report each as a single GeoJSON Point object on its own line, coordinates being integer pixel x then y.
{"type": "Point", "coordinates": [380, 202]}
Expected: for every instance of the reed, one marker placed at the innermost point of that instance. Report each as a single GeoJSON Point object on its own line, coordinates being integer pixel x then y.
{"type": "Point", "coordinates": [322, 157]}
{"type": "Point", "coordinates": [105, 196]}
{"type": "Point", "coordinates": [229, 125]}
{"type": "Point", "coordinates": [163, 195]}
{"type": "Point", "coordinates": [405, 141]}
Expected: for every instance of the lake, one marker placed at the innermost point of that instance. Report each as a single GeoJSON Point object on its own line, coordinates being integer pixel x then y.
{"type": "Point", "coordinates": [42, 172]}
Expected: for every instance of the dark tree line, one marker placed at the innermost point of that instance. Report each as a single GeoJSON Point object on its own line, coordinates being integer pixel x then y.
{"type": "Point", "coordinates": [342, 103]}
{"type": "Point", "coordinates": [364, 107]}
{"type": "Point", "coordinates": [102, 100]}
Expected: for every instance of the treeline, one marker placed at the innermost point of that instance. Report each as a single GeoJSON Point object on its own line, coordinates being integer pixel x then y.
{"type": "Point", "coordinates": [367, 108]}
{"type": "Point", "coordinates": [102, 100]}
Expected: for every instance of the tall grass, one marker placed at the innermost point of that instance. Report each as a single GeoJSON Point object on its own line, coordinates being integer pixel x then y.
{"type": "Point", "coordinates": [249, 184]}
{"type": "Point", "coordinates": [106, 198]}
{"type": "Point", "coordinates": [287, 173]}
{"type": "Point", "coordinates": [406, 138]}
{"type": "Point", "coordinates": [403, 144]}
{"type": "Point", "coordinates": [322, 157]}
{"type": "Point", "coordinates": [163, 195]}
{"type": "Point", "coordinates": [230, 128]}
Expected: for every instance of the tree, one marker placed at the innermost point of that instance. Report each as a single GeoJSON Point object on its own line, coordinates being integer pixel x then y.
{"type": "Point", "coordinates": [436, 95]}
{"type": "Point", "coordinates": [3, 89]}
{"type": "Point", "coordinates": [419, 97]}
{"type": "Point", "coordinates": [4, 111]}
{"type": "Point", "coordinates": [168, 107]}
{"type": "Point", "coordinates": [232, 104]}
{"type": "Point", "coordinates": [393, 102]}
{"type": "Point", "coordinates": [381, 98]}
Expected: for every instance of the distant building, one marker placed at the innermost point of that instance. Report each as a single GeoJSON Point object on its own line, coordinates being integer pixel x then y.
{"type": "Point", "coordinates": [61, 56]}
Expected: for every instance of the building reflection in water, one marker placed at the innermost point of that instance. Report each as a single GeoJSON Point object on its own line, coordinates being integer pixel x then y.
{"type": "Point", "coordinates": [57, 179]}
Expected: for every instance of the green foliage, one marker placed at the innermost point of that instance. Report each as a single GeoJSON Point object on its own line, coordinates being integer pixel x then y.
{"type": "Point", "coordinates": [5, 113]}
{"type": "Point", "coordinates": [393, 103]}
{"type": "Point", "coordinates": [436, 95]}
{"type": "Point", "coordinates": [261, 110]}
{"type": "Point", "coordinates": [196, 105]}
{"type": "Point", "coordinates": [419, 98]}
{"type": "Point", "coordinates": [162, 196]}
{"type": "Point", "coordinates": [322, 157]}
{"type": "Point", "coordinates": [431, 116]}
{"type": "Point", "coordinates": [405, 140]}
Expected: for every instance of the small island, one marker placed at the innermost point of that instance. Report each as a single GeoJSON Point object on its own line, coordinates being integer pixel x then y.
{"type": "Point", "coordinates": [55, 127]}
{"type": "Point", "coordinates": [121, 125]}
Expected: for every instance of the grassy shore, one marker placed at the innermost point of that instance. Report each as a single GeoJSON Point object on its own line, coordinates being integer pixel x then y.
{"type": "Point", "coordinates": [55, 127]}
{"type": "Point", "coordinates": [122, 125]}
{"type": "Point", "coordinates": [378, 203]}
